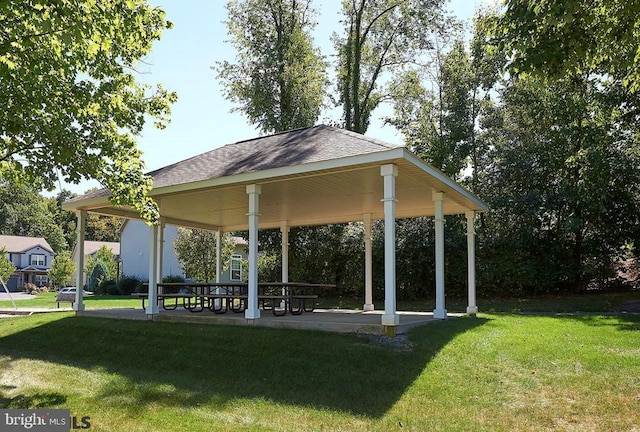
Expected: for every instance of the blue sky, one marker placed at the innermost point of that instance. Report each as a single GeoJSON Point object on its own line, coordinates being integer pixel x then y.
{"type": "Point", "coordinates": [201, 119]}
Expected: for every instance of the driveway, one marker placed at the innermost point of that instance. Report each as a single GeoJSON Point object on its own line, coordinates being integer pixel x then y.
{"type": "Point", "coordinates": [15, 295]}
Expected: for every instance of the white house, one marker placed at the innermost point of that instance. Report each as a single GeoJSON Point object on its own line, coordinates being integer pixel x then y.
{"type": "Point", "coordinates": [32, 258]}
{"type": "Point", "coordinates": [134, 250]}
{"type": "Point", "coordinates": [134, 253]}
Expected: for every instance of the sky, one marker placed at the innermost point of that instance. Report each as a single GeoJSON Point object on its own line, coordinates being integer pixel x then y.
{"type": "Point", "coordinates": [182, 61]}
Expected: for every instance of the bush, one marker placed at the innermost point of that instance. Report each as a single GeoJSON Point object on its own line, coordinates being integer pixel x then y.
{"type": "Point", "coordinates": [129, 284]}
{"type": "Point", "coordinates": [98, 275]}
{"type": "Point", "coordinates": [109, 287]}
{"type": "Point", "coordinates": [30, 288]}
{"type": "Point", "coordinates": [173, 279]}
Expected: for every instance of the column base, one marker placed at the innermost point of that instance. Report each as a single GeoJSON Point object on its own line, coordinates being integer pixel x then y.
{"type": "Point", "coordinates": [368, 307]}
{"type": "Point", "coordinates": [78, 307]}
{"type": "Point", "coordinates": [152, 310]}
{"type": "Point", "coordinates": [390, 331]}
{"type": "Point", "coordinates": [252, 314]}
{"type": "Point", "coordinates": [472, 310]}
{"type": "Point", "coordinates": [390, 320]}
{"type": "Point", "coordinates": [440, 313]}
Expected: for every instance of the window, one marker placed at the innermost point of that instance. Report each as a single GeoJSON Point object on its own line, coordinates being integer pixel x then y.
{"type": "Point", "coordinates": [38, 260]}
{"type": "Point", "coordinates": [40, 280]}
{"type": "Point", "coordinates": [236, 267]}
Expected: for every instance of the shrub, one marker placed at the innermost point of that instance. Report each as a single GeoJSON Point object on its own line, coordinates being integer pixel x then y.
{"type": "Point", "coordinates": [30, 288]}
{"type": "Point", "coordinates": [98, 274]}
{"type": "Point", "coordinates": [129, 284]}
{"type": "Point", "coordinates": [109, 287]}
{"type": "Point", "coordinates": [173, 279]}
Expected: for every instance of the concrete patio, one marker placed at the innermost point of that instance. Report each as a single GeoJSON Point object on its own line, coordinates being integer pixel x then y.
{"type": "Point", "coordinates": [332, 320]}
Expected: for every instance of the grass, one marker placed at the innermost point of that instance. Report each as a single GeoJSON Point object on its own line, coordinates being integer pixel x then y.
{"type": "Point", "coordinates": [590, 302]}
{"type": "Point", "coordinates": [496, 372]}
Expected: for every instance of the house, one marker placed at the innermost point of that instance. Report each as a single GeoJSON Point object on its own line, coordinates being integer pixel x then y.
{"type": "Point", "coordinates": [234, 271]}
{"type": "Point", "coordinates": [90, 249]}
{"type": "Point", "coordinates": [134, 250]}
{"type": "Point", "coordinates": [134, 253]}
{"type": "Point", "coordinates": [32, 258]}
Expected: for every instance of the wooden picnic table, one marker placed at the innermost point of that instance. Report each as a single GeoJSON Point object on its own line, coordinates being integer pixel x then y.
{"type": "Point", "coordinates": [279, 297]}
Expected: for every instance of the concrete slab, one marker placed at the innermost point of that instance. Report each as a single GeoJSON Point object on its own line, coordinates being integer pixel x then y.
{"type": "Point", "coordinates": [333, 320]}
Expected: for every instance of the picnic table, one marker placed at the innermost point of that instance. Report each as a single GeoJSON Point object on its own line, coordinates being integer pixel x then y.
{"type": "Point", "coordinates": [279, 297]}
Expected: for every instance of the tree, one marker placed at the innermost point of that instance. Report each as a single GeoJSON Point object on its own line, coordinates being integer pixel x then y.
{"type": "Point", "coordinates": [6, 267]}
{"type": "Point", "coordinates": [24, 212]}
{"type": "Point", "coordinates": [279, 77]}
{"type": "Point", "coordinates": [62, 268]}
{"type": "Point", "coordinates": [105, 259]}
{"type": "Point", "coordinates": [441, 125]}
{"type": "Point", "coordinates": [196, 252]}
{"type": "Point", "coordinates": [572, 36]}
{"type": "Point", "coordinates": [563, 183]}
{"type": "Point", "coordinates": [71, 103]}
{"type": "Point", "coordinates": [380, 35]}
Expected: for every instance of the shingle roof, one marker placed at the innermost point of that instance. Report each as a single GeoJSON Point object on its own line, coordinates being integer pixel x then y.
{"type": "Point", "coordinates": [17, 244]}
{"type": "Point", "coordinates": [295, 147]}
{"type": "Point", "coordinates": [91, 247]}
{"type": "Point", "coordinates": [289, 148]}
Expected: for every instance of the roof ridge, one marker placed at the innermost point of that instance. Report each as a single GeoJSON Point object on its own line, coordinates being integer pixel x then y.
{"type": "Point", "coordinates": [274, 134]}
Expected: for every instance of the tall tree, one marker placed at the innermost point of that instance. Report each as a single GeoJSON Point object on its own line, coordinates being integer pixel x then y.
{"type": "Point", "coordinates": [196, 252]}
{"type": "Point", "coordinates": [279, 77]}
{"type": "Point", "coordinates": [379, 36]}
{"type": "Point", "coordinates": [564, 180]}
{"type": "Point", "coordinates": [560, 36]}
{"type": "Point", "coordinates": [62, 268]}
{"type": "Point", "coordinates": [23, 212]}
{"type": "Point", "coordinates": [71, 103]}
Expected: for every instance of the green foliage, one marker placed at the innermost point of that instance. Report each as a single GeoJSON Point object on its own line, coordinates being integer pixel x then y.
{"type": "Point", "coordinates": [129, 284]}
{"type": "Point", "coordinates": [24, 212]}
{"type": "Point", "coordinates": [552, 37]}
{"type": "Point", "coordinates": [98, 275]}
{"type": "Point", "coordinates": [62, 268]}
{"type": "Point", "coordinates": [196, 252]}
{"type": "Point", "coordinates": [108, 287]}
{"type": "Point", "coordinates": [6, 267]}
{"type": "Point", "coordinates": [105, 257]}
{"type": "Point", "coordinates": [173, 279]}
{"type": "Point", "coordinates": [72, 105]}
{"type": "Point", "coordinates": [380, 37]}
{"type": "Point", "coordinates": [279, 77]}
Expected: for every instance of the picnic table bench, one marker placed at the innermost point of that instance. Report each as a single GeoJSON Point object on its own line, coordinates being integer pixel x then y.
{"type": "Point", "coordinates": [280, 298]}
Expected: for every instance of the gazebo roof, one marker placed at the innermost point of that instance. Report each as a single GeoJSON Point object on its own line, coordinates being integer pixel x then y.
{"type": "Point", "coordinates": [309, 176]}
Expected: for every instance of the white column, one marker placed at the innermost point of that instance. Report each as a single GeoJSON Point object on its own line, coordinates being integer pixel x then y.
{"type": "Point", "coordinates": [81, 215]}
{"type": "Point", "coordinates": [218, 255]}
{"type": "Point", "coordinates": [439, 312]}
{"type": "Point", "coordinates": [284, 229]}
{"type": "Point", "coordinates": [152, 304]}
{"type": "Point", "coordinates": [368, 267]}
{"type": "Point", "coordinates": [472, 308]}
{"type": "Point", "coordinates": [160, 248]}
{"type": "Point", "coordinates": [390, 317]}
{"type": "Point", "coordinates": [252, 311]}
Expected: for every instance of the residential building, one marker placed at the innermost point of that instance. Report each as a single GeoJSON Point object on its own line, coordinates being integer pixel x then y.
{"type": "Point", "coordinates": [32, 258]}
{"type": "Point", "coordinates": [90, 249]}
{"type": "Point", "coordinates": [134, 253]}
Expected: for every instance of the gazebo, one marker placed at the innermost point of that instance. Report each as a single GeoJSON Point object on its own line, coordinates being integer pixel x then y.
{"type": "Point", "coordinates": [311, 176]}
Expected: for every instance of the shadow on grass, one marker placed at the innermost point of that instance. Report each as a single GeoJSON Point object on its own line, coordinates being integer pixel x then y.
{"type": "Point", "coordinates": [623, 322]}
{"type": "Point", "coordinates": [183, 365]}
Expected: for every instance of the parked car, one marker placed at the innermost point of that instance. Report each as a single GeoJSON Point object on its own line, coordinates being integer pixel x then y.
{"type": "Point", "coordinates": [72, 290]}
{"type": "Point", "coordinates": [69, 294]}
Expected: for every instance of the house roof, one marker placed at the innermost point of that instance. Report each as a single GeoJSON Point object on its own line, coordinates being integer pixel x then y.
{"type": "Point", "coordinates": [91, 247]}
{"type": "Point", "coordinates": [309, 176]}
{"type": "Point", "coordinates": [19, 244]}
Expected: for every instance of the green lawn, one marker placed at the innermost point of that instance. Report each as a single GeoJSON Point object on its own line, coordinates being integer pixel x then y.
{"type": "Point", "coordinates": [596, 302]}
{"type": "Point", "coordinates": [496, 372]}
